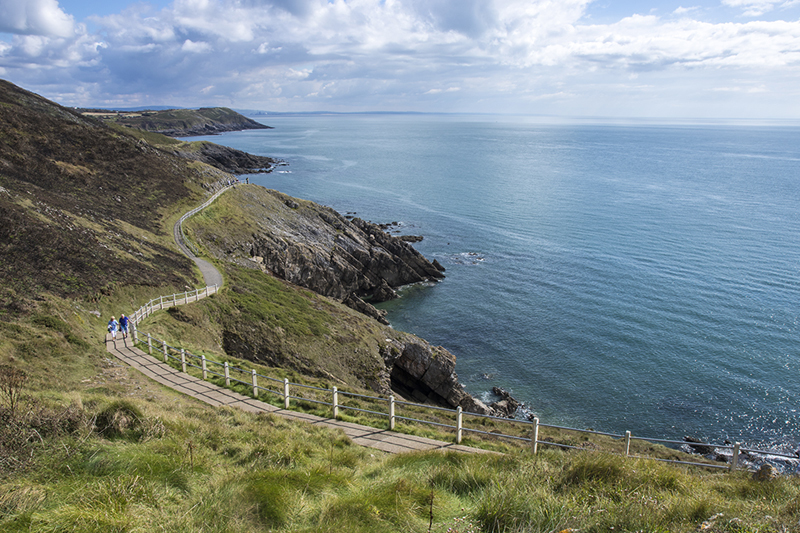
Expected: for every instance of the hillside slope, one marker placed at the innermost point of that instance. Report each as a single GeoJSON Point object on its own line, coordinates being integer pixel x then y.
{"type": "Point", "coordinates": [81, 205]}
{"type": "Point", "coordinates": [187, 122]}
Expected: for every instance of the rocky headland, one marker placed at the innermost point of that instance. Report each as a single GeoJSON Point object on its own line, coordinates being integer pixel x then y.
{"type": "Point", "coordinates": [351, 261]}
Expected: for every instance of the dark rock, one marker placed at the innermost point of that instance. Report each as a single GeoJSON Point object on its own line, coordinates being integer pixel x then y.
{"type": "Point", "coordinates": [507, 406]}
{"type": "Point", "coordinates": [354, 302]}
{"type": "Point", "coordinates": [427, 373]}
{"type": "Point", "coordinates": [438, 266]}
{"type": "Point", "coordinates": [384, 293]}
{"type": "Point", "coordinates": [766, 473]}
{"type": "Point", "coordinates": [410, 238]}
{"type": "Point", "coordinates": [698, 447]}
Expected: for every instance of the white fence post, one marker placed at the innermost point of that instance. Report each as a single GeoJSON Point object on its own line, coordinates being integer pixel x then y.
{"type": "Point", "coordinates": [735, 458]}
{"type": "Point", "coordinates": [135, 333]}
{"type": "Point", "coordinates": [459, 423]}
{"type": "Point", "coordinates": [391, 412]}
{"type": "Point", "coordinates": [174, 299]}
{"type": "Point", "coordinates": [255, 384]}
{"type": "Point", "coordinates": [161, 302]}
{"type": "Point", "coordinates": [206, 290]}
{"type": "Point", "coordinates": [335, 402]}
{"type": "Point", "coordinates": [149, 344]}
{"type": "Point", "coordinates": [227, 375]}
{"type": "Point", "coordinates": [183, 360]}
{"type": "Point", "coordinates": [164, 346]}
{"type": "Point", "coordinates": [627, 443]}
{"type": "Point", "coordinates": [186, 297]}
{"type": "Point", "coordinates": [205, 369]}
{"type": "Point", "coordinates": [286, 393]}
{"type": "Point", "coordinates": [535, 436]}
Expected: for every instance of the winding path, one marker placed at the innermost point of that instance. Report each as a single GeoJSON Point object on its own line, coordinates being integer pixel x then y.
{"type": "Point", "coordinates": [123, 349]}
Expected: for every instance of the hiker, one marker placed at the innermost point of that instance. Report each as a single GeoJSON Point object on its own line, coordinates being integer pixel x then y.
{"type": "Point", "coordinates": [113, 325]}
{"type": "Point", "coordinates": [123, 326]}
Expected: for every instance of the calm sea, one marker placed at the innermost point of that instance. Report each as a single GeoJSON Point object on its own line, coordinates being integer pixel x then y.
{"type": "Point", "coordinates": [642, 278]}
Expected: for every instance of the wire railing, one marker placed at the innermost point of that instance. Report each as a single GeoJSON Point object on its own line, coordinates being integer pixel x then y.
{"type": "Point", "coordinates": [338, 401]}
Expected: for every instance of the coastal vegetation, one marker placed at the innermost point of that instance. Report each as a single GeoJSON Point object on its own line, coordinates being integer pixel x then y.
{"type": "Point", "coordinates": [87, 444]}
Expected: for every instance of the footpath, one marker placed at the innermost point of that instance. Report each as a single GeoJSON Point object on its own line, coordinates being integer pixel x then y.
{"type": "Point", "coordinates": [385, 440]}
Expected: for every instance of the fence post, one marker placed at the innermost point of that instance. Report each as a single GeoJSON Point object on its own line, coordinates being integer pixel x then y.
{"type": "Point", "coordinates": [205, 370]}
{"type": "Point", "coordinates": [459, 423]}
{"type": "Point", "coordinates": [735, 459]}
{"type": "Point", "coordinates": [255, 384]}
{"type": "Point", "coordinates": [164, 346]}
{"type": "Point", "coordinates": [627, 443]}
{"type": "Point", "coordinates": [186, 297]}
{"type": "Point", "coordinates": [227, 375]}
{"type": "Point", "coordinates": [391, 412]}
{"type": "Point", "coordinates": [286, 393]}
{"type": "Point", "coordinates": [535, 436]}
{"type": "Point", "coordinates": [206, 290]}
{"type": "Point", "coordinates": [183, 360]}
{"type": "Point", "coordinates": [161, 302]}
{"type": "Point", "coordinates": [335, 402]}
{"type": "Point", "coordinates": [149, 344]}
{"type": "Point", "coordinates": [135, 333]}
{"type": "Point", "coordinates": [174, 299]}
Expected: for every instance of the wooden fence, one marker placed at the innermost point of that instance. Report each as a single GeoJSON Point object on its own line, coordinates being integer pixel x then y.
{"type": "Point", "coordinates": [338, 401]}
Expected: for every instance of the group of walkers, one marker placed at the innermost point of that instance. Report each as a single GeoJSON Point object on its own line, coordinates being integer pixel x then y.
{"type": "Point", "coordinates": [121, 326]}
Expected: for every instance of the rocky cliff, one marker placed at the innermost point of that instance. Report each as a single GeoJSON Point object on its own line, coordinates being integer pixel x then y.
{"type": "Point", "coordinates": [315, 247]}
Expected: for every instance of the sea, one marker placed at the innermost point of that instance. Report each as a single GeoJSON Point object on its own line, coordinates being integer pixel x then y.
{"type": "Point", "coordinates": [639, 277]}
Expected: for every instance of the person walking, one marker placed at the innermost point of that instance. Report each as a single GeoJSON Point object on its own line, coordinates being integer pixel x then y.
{"type": "Point", "coordinates": [113, 326]}
{"type": "Point", "coordinates": [123, 326]}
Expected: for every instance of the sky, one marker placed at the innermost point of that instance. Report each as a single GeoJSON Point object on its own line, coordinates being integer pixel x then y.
{"type": "Point", "coordinates": [562, 58]}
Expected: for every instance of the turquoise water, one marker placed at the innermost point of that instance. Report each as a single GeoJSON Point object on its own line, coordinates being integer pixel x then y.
{"type": "Point", "coordinates": [642, 278]}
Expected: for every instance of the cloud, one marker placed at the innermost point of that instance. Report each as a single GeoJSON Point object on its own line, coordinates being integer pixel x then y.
{"type": "Point", "coordinates": [756, 8]}
{"type": "Point", "coordinates": [35, 17]}
{"type": "Point", "coordinates": [458, 55]}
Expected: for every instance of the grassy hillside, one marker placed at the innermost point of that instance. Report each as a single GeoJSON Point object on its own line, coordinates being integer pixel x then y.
{"type": "Point", "coordinates": [182, 122]}
{"type": "Point", "coordinates": [86, 444]}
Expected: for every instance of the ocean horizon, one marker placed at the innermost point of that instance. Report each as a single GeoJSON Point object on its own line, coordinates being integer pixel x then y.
{"type": "Point", "coordinates": [622, 277]}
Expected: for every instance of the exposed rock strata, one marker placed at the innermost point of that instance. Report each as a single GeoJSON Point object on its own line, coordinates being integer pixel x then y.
{"type": "Point", "coordinates": [352, 261]}
{"type": "Point", "coordinates": [316, 248]}
{"type": "Point", "coordinates": [227, 159]}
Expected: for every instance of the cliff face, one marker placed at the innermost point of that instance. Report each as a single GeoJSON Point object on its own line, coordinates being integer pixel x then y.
{"type": "Point", "coordinates": [316, 248]}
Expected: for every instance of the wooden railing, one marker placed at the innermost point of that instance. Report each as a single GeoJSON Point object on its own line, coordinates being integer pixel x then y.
{"type": "Point", "coordinates": [295, 395]}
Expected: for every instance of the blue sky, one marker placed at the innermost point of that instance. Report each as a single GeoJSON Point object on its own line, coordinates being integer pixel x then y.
{"type": "Point", "coordinates": [570, 58]}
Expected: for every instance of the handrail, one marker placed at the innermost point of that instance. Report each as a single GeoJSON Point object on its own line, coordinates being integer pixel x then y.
{"type": "Point", "coordinates": [459, 427]}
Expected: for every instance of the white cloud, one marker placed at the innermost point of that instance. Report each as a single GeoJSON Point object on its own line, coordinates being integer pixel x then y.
{"type": "Point", "coordinates": [195, 47]}
{"type": "Point", "coordinates": [406, 54]}
{"type": "Point", "coordinates": [756, 8]}
{"type": "Point", "coordinates": [35, 17]}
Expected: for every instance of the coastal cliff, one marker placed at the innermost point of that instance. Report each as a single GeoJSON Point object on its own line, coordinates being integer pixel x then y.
{"type": "Point", "coordinates": [352, 261]}
{"type": "Point", "coordinates": [82, 212]}
{"type": "Point", "coordinates": [182, 122]}
{"type": "Point", "coordinates": [315, 248]}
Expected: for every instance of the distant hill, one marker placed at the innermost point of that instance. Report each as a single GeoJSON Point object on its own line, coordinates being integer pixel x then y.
{"type": "Point", "coordinates": [180, 122]}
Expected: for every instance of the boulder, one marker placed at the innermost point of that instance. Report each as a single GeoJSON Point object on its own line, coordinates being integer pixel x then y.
{"type": "Point", "coordinates": [507, 405]}
{"type": "Point", "coordinates": [766, 472]}
{"type": "Point", "coordinates": [698, 447]}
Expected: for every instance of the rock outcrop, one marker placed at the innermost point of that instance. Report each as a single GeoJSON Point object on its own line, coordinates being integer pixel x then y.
{"type": "Point", "coordinates": [426, 374]}
{"type": "Point", "coordinates": [226, 159]}
{"type": "Point", "coordinates": [352, 261]}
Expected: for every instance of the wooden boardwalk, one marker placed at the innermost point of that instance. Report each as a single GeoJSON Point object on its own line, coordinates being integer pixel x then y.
{"type": "Point", "coordinates": [387, 441]}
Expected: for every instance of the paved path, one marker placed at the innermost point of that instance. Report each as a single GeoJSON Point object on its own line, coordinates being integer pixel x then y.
{"type": "Point", "coordinates": [211, 275]}
{"type": "Point", "coordinates": [388, 441]}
